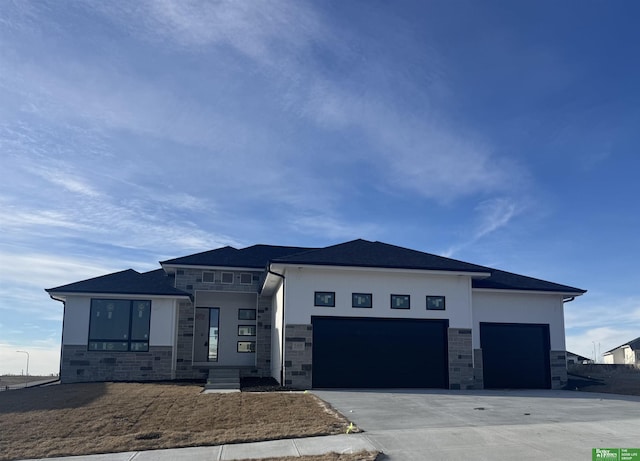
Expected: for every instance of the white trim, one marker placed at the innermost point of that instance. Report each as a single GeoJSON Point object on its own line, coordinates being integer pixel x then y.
{"type": "Point", "coordinates": [381, 269]}
{"type": "Point", "coordinates": [118, 295]}
{"type": "Point", "coordinates": [219, 268]}
{"type": "Point", "coordinates": [540, 292]}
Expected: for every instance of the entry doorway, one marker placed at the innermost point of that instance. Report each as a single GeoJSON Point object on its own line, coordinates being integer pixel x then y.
{"type": "Point", "coordinates": [206, 335]}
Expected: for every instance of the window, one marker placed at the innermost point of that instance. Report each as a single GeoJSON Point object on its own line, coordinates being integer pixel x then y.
{"type": "Point", "coordinates": [227, 278]}
{"type": "Point", "coordinates": [246, 314]}
{"type": "Point", "coordinates": [435, 303]}
{"type": "Point", "coordinates": [325, 299]}
{"type": "Point", "coordinates": [400, 301]}
{"type": "Point", "coordinates": [246, 346]}
{"type": "Point", "coordinates": [361, 300]}
{"type": "Point", "coordinates": [246, 330]}
{"type": "Point", "coordinates": [119, 325]}
{"type": "Point", "coordinates": [245, 278]}
{"type": "Point", "coordinates": [208, 277]}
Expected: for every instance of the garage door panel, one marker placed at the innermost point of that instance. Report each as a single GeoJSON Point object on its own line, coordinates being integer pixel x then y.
{"type": "Point", "coordinates": [515, 356]}
{"type": "Point", "coordinates": [378, 353]}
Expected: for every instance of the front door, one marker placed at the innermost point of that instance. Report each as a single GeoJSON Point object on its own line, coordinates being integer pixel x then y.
{"type": "Point", "coordinates": [205, 341]}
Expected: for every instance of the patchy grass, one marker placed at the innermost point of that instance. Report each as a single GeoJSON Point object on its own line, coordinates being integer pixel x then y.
{"type": "Point", "coordinates": [74, 419]}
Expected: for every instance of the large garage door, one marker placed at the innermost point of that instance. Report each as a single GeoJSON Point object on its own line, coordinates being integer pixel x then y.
{"type": "Point", "coordinates": [379, 353]}
{"type": "Point", "coordinates": [515, 355]}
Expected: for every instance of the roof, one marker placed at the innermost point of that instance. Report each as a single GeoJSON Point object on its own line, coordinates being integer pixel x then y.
{"type": "Point", "coordinates": [363, 253]}
{"type": "Point", "coordinates": [578, 356]}
{"type": "Point", "coordinates": [501, 280]}
{"type": "Point", "coordinates": [633, 344]}
{"type": "Point", "coordinates": [155, 282]}
{"type": "Point", "coordinates": [256, 256]}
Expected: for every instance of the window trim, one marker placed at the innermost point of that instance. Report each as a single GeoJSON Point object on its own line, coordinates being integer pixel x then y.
{"type": "Point", "coordinates": [245, 310]}
{"type": "Point", "coordinates": [396, 296]}
{"type": "Point", "coordinates": [246, 352]}
{"type": "Point", "coordinates": [247, 326]}
{"type": "Point", "coordinates": [129, 341]}
{"type": "Point", "coordinates": [318, 303]}
{"type": "Point", "coordinates": [213, 276]}
{"type": "Point", "coordinates": [436, 298]}
{"type": "Point", "coordinates": [356, 306]}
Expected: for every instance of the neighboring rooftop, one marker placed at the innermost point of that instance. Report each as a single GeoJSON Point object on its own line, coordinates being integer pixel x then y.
{"type": "Point", "coordinates": [633, 344]}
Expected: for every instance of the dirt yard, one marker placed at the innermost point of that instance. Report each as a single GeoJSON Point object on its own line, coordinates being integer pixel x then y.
{"type": "Point", "coordinates": [15, 380]}
{"type": "Point", "coordinates": [362, 456]}
{"type": "Point", "coordinates": [73, 419]}
{"type": "Point", "coordinates": [611, 379]}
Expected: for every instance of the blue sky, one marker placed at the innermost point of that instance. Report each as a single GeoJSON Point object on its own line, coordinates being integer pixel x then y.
{"type": "Point", "coordinates": [499, 133]}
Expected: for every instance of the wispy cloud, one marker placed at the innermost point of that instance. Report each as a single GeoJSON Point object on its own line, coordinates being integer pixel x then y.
{"type": "Point", "coordinates": [491, 215]}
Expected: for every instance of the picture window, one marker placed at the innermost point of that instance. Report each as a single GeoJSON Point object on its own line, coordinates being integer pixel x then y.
{"type": "Point", "coordinates": [119, 325]}
{"type": "Point", "coordinates": [400, 302]}
{"type": "Point", "coordinates": [246, 314]}
{"type": "Point", "coordinates": [246, 330]}
{"type": "Point", "coordinates": [361, 300]}
{"type": "Point", "coordinates": [435, 303]}
{"type": "Point", "coordinates": [325, 299]}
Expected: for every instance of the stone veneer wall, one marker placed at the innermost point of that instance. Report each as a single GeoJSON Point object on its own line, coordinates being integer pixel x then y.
{"type": "Point", "coordinates": [81, 365]}
{"type": "Point", "coordinates": [478, 372]}
{"type": "Point", "coordinates": [559, 377]}
{"type": "Point", "coordinates": [190, 280]}
{"type": "Point", "coordinates": [298, 356]}
{"type": "Point", "coordinates": [460, 358]}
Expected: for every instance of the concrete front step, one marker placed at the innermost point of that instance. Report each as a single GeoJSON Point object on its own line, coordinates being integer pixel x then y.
{"type": "Point", "coordinates": [223, 378]}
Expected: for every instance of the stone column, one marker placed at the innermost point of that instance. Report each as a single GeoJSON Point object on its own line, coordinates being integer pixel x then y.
{"type": "Point", "coordinates": [298, 360]}
{"type": "Point", "coordinates": [558, 369]}
{"type": "Point", "coordinates": [460, 358]}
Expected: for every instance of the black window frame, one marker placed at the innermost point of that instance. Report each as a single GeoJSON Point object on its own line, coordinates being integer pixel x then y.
{"type": "Point", "coordinates": [361, 306]}
{"type": "Point", "coordinates": [251, 317]}
{"type": "Point", "coordinates": [253, 343]}
{"type": "Point", "coordinates": [433, 299]}
{"type": "Point", "coordinates": [396, 296]}
{"type": "Point", "coordinates": [317, 300]}
{"type": "Point", "coordinates": [255, 330]}
{"type": "Point", "coordinates": [129, 340]}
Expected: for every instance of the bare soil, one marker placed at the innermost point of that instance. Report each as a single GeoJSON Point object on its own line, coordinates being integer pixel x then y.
{"type": "Point", "coordinates": [610, 379]}
{"type": "Point", "coordinates": [75, 419]}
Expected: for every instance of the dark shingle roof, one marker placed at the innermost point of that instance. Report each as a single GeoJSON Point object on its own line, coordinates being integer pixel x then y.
{"type": "Point", "coordinates": [363, 253]}
{"type": "Point", "coordinates": [501, 280]}
{"type": "Point", "coordinates": [633, 344]}
{"type": "Point", "coordinates": [124, 282]}
{"type": "Point", "coordinates": [256, 256]}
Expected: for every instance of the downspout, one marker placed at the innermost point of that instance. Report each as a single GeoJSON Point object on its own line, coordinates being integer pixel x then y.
{"type": "Point", "coordinates": [64, 315]}
{"type": "Point", "coordinates": [283, 326]}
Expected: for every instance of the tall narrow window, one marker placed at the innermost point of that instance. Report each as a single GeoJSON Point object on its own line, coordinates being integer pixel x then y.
{"type": "Point", "coordinates": [214, 318]}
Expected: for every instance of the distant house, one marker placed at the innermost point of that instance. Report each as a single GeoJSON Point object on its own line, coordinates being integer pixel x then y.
{"type": "Point", "coordinates": [354, 315]}
{"type": "Point", "coordinates": [576, 359]}
{"type": "Point", "coordinates": [625, 354]}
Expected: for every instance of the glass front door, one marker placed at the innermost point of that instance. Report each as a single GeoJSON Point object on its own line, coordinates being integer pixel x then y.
{"type": "Point", "coordinates": [206, 340]}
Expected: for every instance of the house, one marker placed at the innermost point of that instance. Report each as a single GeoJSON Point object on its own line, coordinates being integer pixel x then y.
{"type": "Point", "coordinates": [625, 354]}
{"type": "Point", "coordinates": [359, 314]}
{"type": "Point", "coordinates": [577, 359]}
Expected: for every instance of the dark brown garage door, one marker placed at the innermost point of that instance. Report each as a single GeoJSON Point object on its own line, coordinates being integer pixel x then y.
{"type": "Point", "coordinates": [379, 353]}
{"type": "Point", "coordinates": [515, 355]}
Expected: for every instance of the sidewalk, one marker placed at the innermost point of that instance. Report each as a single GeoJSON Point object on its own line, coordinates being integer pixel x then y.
{"type": "Point", "coordinates": [343, 443]}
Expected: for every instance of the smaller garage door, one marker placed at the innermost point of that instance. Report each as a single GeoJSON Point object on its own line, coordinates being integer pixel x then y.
{"type": "Point", "coordinates": [515, 355]}
{"type": "Point", "coordinates": [379, 353]}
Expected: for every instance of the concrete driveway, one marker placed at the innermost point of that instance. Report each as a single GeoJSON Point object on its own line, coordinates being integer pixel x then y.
{"type": "Point", "coordinates": [496, 425]}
